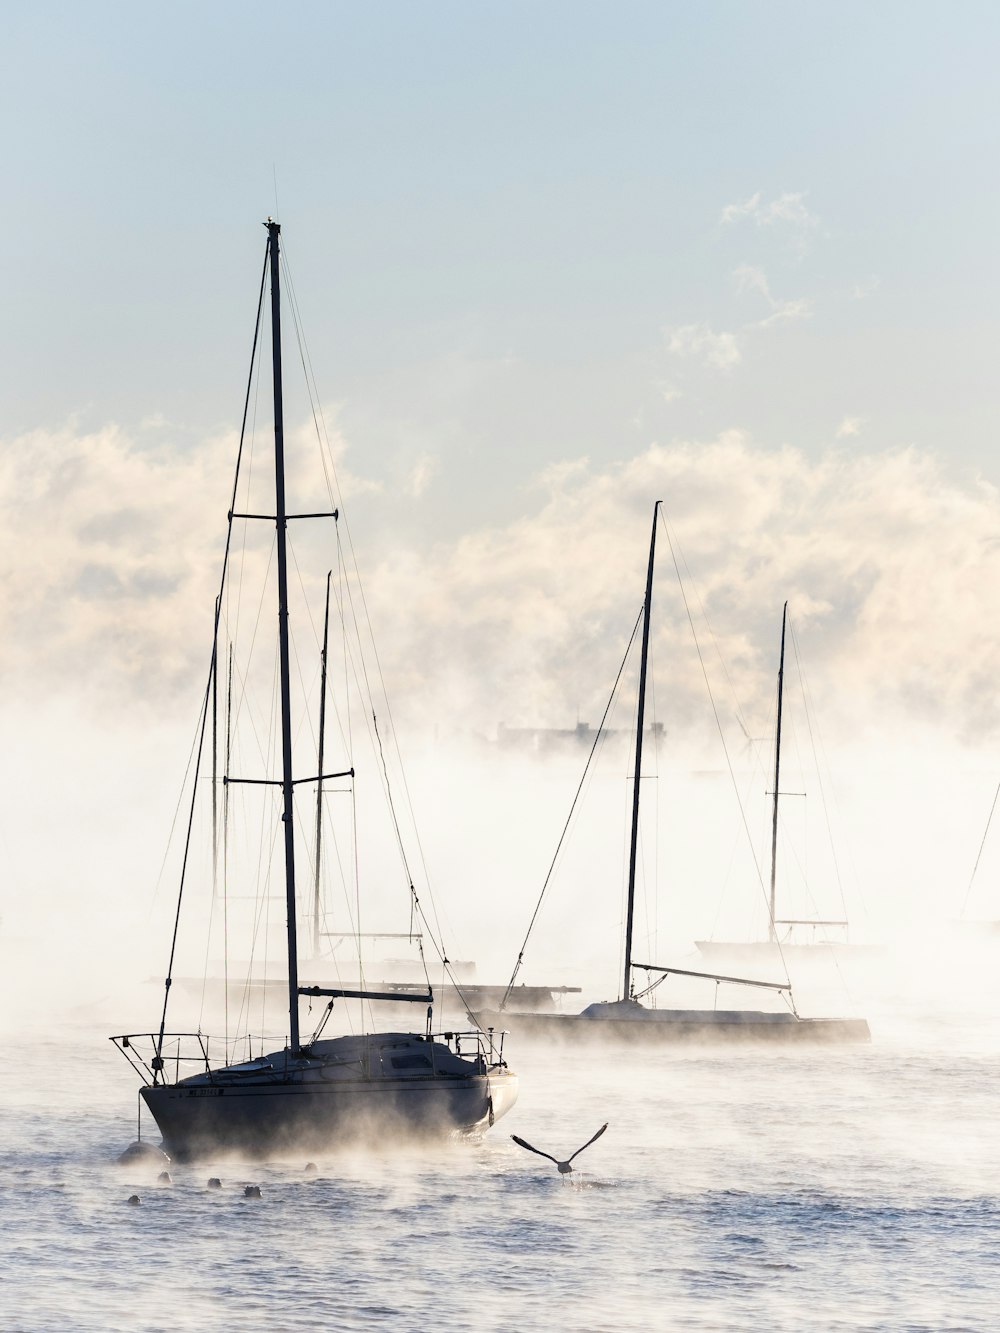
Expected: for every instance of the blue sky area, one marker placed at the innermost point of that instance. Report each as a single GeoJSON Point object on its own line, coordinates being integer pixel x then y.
{"type": "Point", "coordinates": [498, 219]}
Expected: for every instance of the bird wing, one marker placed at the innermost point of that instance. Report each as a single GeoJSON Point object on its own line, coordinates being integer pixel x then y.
{"type": "Point", "coordinates": [589, 1142]}
{"type": "Point", "coordinates": [521, 1143]}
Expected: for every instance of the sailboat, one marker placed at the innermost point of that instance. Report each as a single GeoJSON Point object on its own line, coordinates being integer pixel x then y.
{"type": "Point", "coordinates": [309, 1094]}
{"type": "Point", "coordinates": [804, 938]}
{"type": "Point", "coordinates": [627, 1019]}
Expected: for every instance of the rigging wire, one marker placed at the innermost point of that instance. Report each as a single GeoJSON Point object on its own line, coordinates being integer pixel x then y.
{"type": "Point", "coordinates": [353, 907]}
{"type": "Point", "coordinates": [753, 749]}
{"type": "Point", "coordinates": [651, 927]}
{"type": "Point", "coordinates": [349, 738]}
{"type": "Point", "coordinates": [235, 559]}
{"type": "Point", "coordinates": [718, 723]}
{"type": "Point", "coordinates": [245, 699]}
{"type": "Point", "coordinates": [965, 900]}
{"type": "Point", "coordinates": [807, 708]}
{"type": "Point", "coordinates": [434, 931]}
{"type": "Point", "coordinates": [628, 786]}
{"type": "Point", "coordinates": [330, 473]}
{"type": "Point", "coordinates": [261, 898]}
{"type": "Point", "coordinates": [753, 746]}
{"type": "Point", "coordinates": [177, 810]}
{"type": "Point", "coordinates": [808, 711]}
{"type": "Point", "coordinates": [236, 582]}
{"type": "Point", "coordinates": [569, 817]}
{"type": "Point", "coordinates": [402, 851]}
{"type": "Point", "coordinates": [208, 686]}
{"type": "Point", "coordinates": [740, 715]}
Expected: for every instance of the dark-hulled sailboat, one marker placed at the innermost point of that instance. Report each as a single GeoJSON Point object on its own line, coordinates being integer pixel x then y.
{"type": "Point", "coordinates": [310, 1094]}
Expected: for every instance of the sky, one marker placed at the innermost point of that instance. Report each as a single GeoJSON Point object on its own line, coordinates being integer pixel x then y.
{"type": "Point", "coordinates": [554, 261]}
{"type": "Point", "coordinates": [520, 234]}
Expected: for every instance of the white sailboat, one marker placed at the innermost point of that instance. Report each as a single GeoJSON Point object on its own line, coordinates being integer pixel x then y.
{"type": "Point", "coordinates": [803, 938]}
{"type": "Point", "coordinates": [307, 1094]}
{"type": "Point", "coordinates": [627, 1019]}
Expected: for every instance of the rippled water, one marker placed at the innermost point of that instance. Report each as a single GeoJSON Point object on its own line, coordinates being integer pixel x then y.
{"type": "Point", "coordinates": [852, 1188]}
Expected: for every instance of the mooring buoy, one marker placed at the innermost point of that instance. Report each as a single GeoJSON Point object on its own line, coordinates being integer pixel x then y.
{"type": "Point", "coordinates": [142, 1151]}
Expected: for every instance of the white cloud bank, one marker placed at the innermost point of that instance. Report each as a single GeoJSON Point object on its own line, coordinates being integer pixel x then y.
{"type": "Point", "coordinates": [891, 568]}
{"type": "Point", "coordinates": [890, 563]}
{"type": "Point", "coordinates": [111, 554]}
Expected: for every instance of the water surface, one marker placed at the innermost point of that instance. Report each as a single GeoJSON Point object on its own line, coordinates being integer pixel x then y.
{"type": "Point", "coordinates": [851, 1188]}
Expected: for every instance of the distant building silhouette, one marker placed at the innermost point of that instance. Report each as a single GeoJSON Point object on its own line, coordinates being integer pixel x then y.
{"type": "Point", "coordinates": [541, 739]}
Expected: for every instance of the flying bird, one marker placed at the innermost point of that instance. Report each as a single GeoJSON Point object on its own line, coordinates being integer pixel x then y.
{"type": "Point", "coordinates": [563, 1167]}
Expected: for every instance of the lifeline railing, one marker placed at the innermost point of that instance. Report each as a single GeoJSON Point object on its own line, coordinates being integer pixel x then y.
{"type": "Point", "coordinates": [194, 1049]}
{"type": "Point", "coordinates": [152, 1068]}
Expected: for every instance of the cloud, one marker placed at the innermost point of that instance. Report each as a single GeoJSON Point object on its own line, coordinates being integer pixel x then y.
{"type": "Point", "coordinates": [788, 209]}
{"type": "Point", "coordinates": [750, 278]}
{"type": "Point", "coordinates": [724, 350]}
{"type": "Point", "coordinates": [890, 562]}
{"type": "Point", "coordinates": [113, 551]}
{"type": "Point", "coordinates": [422, 474]}
{"type": "Point", "coordinates": [700, 342]}
{"type": "Point", "coordinates": [862, 290]}
{"type": "Point", "coordinates": [884, 559]}
{"type": "Point", "coordinates": [850, 426]}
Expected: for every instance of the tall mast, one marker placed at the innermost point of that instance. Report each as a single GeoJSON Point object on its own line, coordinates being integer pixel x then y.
{"type": "Point", "coordinates": [627, 982]}
{"type": "Point", "coordinates": [772, 933]}
{"type": "Point", "coordinates": [319, 768]}
{"type": "Point", "coordinates": [215, 755]}
{"type": "Point", "coordinates": [273, 229]}
{"type": "Point", "coordinates": [227, 756]}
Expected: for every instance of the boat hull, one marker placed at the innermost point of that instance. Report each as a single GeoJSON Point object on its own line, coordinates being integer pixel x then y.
{"type": "Point", "coordinates": [679, 1026]}
{"type": "Point", "coordinates": [291, 1118]}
